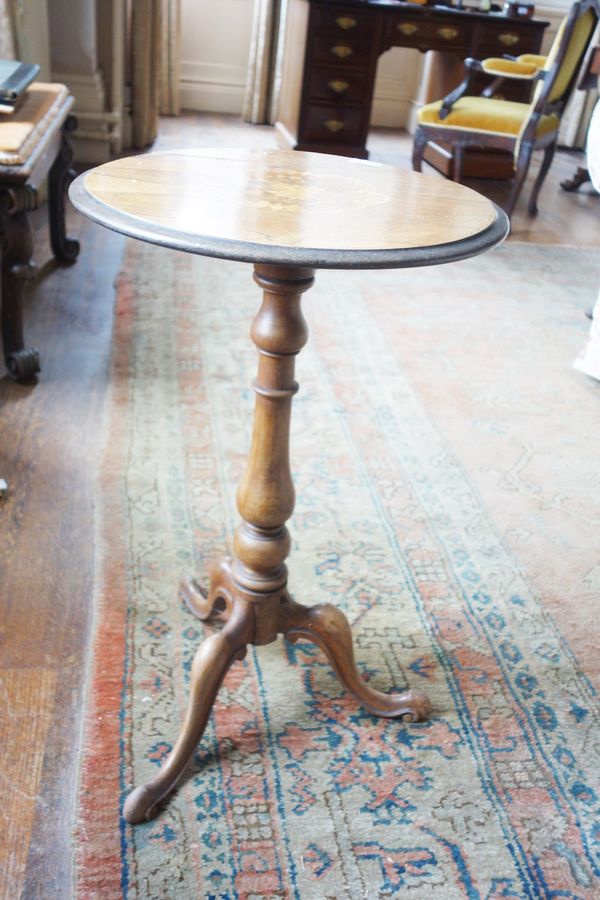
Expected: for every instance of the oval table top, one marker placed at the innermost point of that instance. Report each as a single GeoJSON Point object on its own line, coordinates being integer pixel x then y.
{"type": "Point", "coordinates": [290, 208]}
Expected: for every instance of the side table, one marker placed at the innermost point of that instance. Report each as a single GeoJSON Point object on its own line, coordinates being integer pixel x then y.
{"type": "Point", "coordinates": [34, 143]}
{"type": "Point", "coordinates": [288, 214]}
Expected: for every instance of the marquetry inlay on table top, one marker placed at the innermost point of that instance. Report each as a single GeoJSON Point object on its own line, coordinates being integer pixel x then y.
{"type": "Point", "coordinates": [289, 207]}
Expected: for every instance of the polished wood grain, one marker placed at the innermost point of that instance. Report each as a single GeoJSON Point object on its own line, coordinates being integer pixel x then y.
{"type": "Point", "coordinates": [21, 764]}
{"type": "Point", "coordinates": [50, 438]}
{"type": "Point", "coordinates": [289, 208]}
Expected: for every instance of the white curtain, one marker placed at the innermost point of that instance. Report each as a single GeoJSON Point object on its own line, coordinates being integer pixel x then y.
{"type": "Point", "coordinates": [588, 360]}
{"type": "Point", "coordinates": [170, 57]}
{"type": "Point", "coordinates": [7, 41]}
{"type": "Point", "coordinates": [264, 63]}
{"type": "Point", "coordinates": [155, 26]}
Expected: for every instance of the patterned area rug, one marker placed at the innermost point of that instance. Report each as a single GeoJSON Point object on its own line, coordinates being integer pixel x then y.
{"type": "Point", "coordinates": [445, 456]}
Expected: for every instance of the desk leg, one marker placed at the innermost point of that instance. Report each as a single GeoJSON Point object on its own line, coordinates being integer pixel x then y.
{"type": "Point", "coordinates": [249, 592]}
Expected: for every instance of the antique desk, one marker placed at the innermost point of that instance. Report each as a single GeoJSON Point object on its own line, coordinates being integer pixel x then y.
{"type": "Point", "coordinates": [288, 214]}
{"type": "Point", "coordinates": [332, 49]}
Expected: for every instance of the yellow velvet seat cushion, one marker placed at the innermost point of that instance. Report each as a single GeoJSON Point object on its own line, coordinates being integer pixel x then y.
{"type": "Point", "coordinates": [502, 117]}
{"type": "Point", "coordinates": [22, 130]}
{"type": "Point", "coordinates": [533, 58]}
{"type": "Point", "coordinates": [509, 68]}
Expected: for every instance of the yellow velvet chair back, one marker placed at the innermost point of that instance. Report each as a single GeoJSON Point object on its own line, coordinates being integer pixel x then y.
{"type": "Point", "coordinates": [580, 37]}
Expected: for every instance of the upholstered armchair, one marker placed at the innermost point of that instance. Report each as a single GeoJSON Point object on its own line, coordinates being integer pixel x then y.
{"type": "Point", "coordinates": [463, 121]}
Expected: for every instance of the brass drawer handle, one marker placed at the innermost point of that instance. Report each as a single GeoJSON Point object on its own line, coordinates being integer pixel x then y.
{"type": "Point", "coordinates": [334, 125]}
{"type": "Point", "coordinates": [338, 86]}
{"type": "Point", "coordinates": [342, 51]}
{"type": "Point", "coordinates": [508, 39]}
{"type": "Point", "coordinates": [448, 33]}
{"type": "Point", "coordinates": [408, 28]}
{"type": "Point", "coordinates": [346, 22]}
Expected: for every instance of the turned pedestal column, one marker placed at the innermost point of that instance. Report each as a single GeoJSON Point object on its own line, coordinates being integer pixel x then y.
{"type": "Point", "coordinates": [249, 591]}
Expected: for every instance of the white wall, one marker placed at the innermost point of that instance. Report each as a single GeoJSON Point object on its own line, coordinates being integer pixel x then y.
{"type": "Point", "coordinates": [395, 98]}
{"type": "Point", "coordinates": [215, 42]}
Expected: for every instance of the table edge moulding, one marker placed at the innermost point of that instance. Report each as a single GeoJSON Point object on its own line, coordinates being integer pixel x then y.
{"type": "Point", "coordinates": [288, 213]}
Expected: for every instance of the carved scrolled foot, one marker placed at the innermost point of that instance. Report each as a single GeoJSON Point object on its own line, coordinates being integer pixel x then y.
{"type": "Point", "coordinates": [328, 627]}
{"type": "Point", "coordinates": [212, 660]}
{"type": "Point", "coordinates": [214, 603]}
{"type": "Point", "coordinates": [23, 364]}
{"type": "Point", "coordinates": [140, 804]}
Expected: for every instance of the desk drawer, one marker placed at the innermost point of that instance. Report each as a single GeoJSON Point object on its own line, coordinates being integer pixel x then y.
{"type": "Point", "coordinates": [506, 40]}
{"type": "Point", "coordinates": [340, 20]}
{"type": "Point", "coordinates": [427, 34]}
{"type": "Point", "coordinates": [332, 123]}
{"type": "Point", "coordinates": [343, 85]}
{"type": "Point", "coordinates": [345, 50]}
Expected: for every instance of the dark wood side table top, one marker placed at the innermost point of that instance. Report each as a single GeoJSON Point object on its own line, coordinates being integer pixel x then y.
{"type": "Point", "coordinates": [289, 213]}
{"type": "Point", "coordinates": [290, 208]}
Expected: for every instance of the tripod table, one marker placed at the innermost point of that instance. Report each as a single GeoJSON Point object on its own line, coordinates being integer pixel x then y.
{"type": "Point", "coordinates": [288, 213]}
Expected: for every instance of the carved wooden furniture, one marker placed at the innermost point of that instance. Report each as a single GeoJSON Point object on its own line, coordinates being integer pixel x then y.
{"type": "Point", "coordinates": [336, 45]}
{"type": "Point", "coordinates": [464, 120]}
{"type": "Point", "coordinates": [288, 213]}
{"type": "Point", "coordinates": [34, 144]}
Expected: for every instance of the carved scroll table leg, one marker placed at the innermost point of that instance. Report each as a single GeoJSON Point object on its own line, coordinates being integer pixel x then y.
{"type": "Point", "coordinates": [216, 602]}
{"type": "Point", "coordinates": [211, 662]}
{"type": "Point", "coordinates": [65, 249]}
{"type": "Point", "coordinates": [17, 248]}
{"type": "Point", "coordinates": [327, 626]}
{"type": "Point", "coordinates": [250, 591]}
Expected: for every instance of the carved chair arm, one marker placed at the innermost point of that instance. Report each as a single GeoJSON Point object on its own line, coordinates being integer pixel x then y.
{"type": "Point", "coordinates": [496, 68]}
{"type": "Point", "coordinates": [472, 66]}
{"type": "Point", "coordinates": [509, 68]}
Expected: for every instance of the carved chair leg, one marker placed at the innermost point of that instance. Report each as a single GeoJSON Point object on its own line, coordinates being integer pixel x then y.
{"type": "Point", "coordinates": [519, 178]}
{"type": "Point", "coordinates": [546, 163]}
{"type": "Point", "coordinates": [212, 661]}
{"type": "Point", "coordinates": [458, 160]}
{"type": "Point", "coordinates": [65, 249]}
{"type": "Point", "coordinates": [420, 142]}
{"type": "Point", "coordinates": [17, 248]}
{"type": "Point", "coordinates": [328, 627]}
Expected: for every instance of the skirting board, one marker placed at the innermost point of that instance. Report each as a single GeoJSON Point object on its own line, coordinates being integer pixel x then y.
{"type": "Point", "coordinates": [223, 98]}
{"type": "Point", "coordinates": [212, 87]}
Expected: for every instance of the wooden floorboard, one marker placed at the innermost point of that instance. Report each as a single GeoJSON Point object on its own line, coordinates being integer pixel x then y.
{"type": "Point", "coordinates": [49, 456]}
{"type": "Point", "coordinates": [49, 451]}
